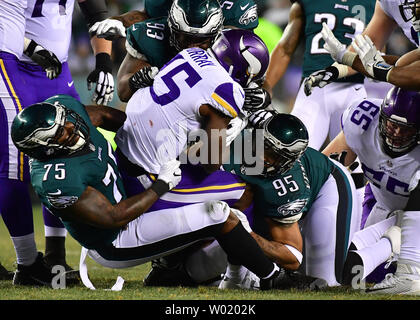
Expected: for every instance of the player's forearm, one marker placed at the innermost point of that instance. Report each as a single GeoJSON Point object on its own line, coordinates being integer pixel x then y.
{"type": "Point", "coordinates": [100, 45]}
{"type": "Point", "coordinates": [123, 84]}
{"type": "Point", "coordinates": [107, 118]}
{"type": "Point", "coordinates": [131, 17]}
{"type": "Point", "coordinates": [406, 77]}
{"type": "Point", "coordinates": [276, 70]}
{"type": "Point", "coordinates": [277, 252]}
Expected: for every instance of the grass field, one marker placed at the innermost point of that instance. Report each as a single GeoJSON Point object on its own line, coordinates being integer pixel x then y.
{"type": "Point", "coordinates": [104, 278]}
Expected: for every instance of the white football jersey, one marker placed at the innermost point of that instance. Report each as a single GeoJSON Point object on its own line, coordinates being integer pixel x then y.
{"type": "Point", "coordinates": [48, 23]}
{"type": "Point", "coordinates": [391, 8]}
{"type": "Point", "coordinates": [159, 118]}
{"type": "Point", "coordinates": [12, 26]}
{"type": "Point", "coordinates": [391, 179]}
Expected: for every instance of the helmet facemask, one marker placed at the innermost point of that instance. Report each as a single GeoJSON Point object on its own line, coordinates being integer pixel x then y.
{"type": "Point", "coordinates": [410, 10]}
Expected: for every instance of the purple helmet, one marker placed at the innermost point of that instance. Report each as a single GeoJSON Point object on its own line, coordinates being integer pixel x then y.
{"type": "Point", "coordinates": [399, 121]}
{"type": "Point", "coordinates": [243, 54]}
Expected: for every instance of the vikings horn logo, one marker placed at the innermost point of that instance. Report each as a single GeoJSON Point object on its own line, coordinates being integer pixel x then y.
{"type": "Point", "coordinates": [254, 65]}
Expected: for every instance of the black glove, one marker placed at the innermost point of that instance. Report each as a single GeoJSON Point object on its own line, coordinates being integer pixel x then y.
{"type": "Point", "coordinates": [102, 76]}
{"type": "Point", "coordinates": [320, 79]}
{"type": "Point", "coordinates": [256, 99]}
{"type": "Point", "coordinates": [258, 118]}
{"type": "Point", "coordinates": [341, 157]}
{"type": "Point", "coordinates": [143, 78]}
{"type": "Point", "coordinates": [44, 58]}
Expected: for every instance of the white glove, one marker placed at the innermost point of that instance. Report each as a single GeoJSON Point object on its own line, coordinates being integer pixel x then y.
{"type": "Point", "coordinates": [109, 29]}
{"type": "Point", "coordinates": [170, 173]}
{"type": "Point", "coordinates": [367, 53]}
{"type": "Point", "coordinates": [235, 126]}
{"type": "Point", "coordinates": [242, 218]}
{"type": "Point", "coordinates": [332, 45]}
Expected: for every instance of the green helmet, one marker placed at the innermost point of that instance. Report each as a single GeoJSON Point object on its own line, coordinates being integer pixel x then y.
{"type": "Point", "coordinates": [286, 138]}
{"type": "Point", "coordinates": [194, 22]}
{"type": "Point", "coordinates": [35, 129]}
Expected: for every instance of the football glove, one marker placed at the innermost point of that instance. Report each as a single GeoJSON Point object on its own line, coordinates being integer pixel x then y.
{"type": "Point", "coordinates": [256, 98]}
{"type": "Point", "coordinates": [258, 118]}
{"type": "Point", "coordinates": [371, 58]}
{"type": "Point", "coordinates": [143, 78]}
{"type": "Point", "coordinates": [235, 126]}
{"type": "Point", "coordinates": [169, 176]}
{"type": "Point", "coordinates": [102, 76]}
{"type": "Point", "coordinates": [109, 29]}
{"type": "Point", "coordinates": [332, 45]}
{"type": "Point", "coordinates": [341, 157]}
{"type": "Point", "coordinates": [43, 57]}
{"type": "Point", "coordinates": [320, 79]}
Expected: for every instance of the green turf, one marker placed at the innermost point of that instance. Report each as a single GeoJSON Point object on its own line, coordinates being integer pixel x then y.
{"type": "Point", "coordinates": [104, 278]}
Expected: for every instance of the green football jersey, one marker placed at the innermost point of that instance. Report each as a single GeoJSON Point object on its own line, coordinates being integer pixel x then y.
{"type": "Point", "coordinates": [288, 196]}
{"type": "Point", "coordinates": [150, 38]}
{"type": "Point", "coordinates": [60, 182]}
{"type": "Point", "coordinates": [345, 18]}
{"type": "Point", "coordinates": [238, 13]}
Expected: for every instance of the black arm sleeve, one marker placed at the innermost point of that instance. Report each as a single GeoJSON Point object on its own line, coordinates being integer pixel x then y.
{"type": "Point", "coordinates": [94, 11]}
{"type": "Point", "coordinates": [414, 200]}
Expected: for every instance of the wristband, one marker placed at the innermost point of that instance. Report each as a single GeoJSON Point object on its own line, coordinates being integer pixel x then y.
{"type": "Point", "coordinates": [381, 70]}
{"type": "Point", "coordinates": [160, 187]}
{"type": "Point", "coordinates": [30, 46]}
{"type": "Point", "coordinates": [343, 70]}
{"type": "Point", "coordinates": [103, 62]}
{"type": "Point", "coordinates": [348, 58]}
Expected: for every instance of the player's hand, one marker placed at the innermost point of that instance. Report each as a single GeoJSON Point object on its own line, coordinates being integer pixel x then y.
{"type": "Point", "coordinates": [332, 45]}
{"type": "Point", "coordinates": [320, 79]}
{"type": "Point", "coordinates": [341, 157]}
{"type": "Point", "coordinates": [102, 76]}
{"type": "Point", "coordinates": [370, 57]}
{"type": "Point", "coordinates": [256, 98]}
{"type": "Point", "coordinates": [143, 78]}
{"type": "Point", "coordinates": [235, 126]}
{"type": "Point", "coordinates": [242, 218]}
{"type": "Point", "coordinates": [258, 118]}
{"type": "Point", "coordinates": [109, 29]}
{"type": "Point", "coordinates": [170, 173]}
{"type": "Point", "coordinates": [44, 58]}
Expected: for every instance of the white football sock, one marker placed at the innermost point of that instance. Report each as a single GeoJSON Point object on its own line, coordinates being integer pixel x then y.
{"type": "Point", "coordinates": [25, 247]}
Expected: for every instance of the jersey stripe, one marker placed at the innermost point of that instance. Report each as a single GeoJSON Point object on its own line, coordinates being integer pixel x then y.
{"type": "Point", "coordinates": [224, 104]}
{"type": "Point", "coordinates": [19, 107]}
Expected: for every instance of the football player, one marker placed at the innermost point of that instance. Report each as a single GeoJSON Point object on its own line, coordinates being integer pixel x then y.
{"type": "Point", "coordinates": [74, 172]}
{"type": "Point", "coordinates": [385, 135]}
{"type": "Point", "coordinates": [321, 111]}
{"type": "Point", "coordinates": [20, 76]}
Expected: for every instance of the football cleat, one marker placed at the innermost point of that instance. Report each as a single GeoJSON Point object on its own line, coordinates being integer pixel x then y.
{"type": "Point", "coordinates": [162, 275]}
{"type": "Point", "coordinates": [288, 279]}
{"type": "Point", "coordinates": [405, 281]}
{"type": "Point", "coordinates": [36, 274]}
{"type": "Point", "coordinates": [249, 281]}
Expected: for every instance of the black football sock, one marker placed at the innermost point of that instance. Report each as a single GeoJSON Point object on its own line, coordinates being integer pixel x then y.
{"type": "Point", "coordinates": [242, 249]}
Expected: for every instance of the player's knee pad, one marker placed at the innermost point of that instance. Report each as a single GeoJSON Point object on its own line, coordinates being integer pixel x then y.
{"type": "Point", "coordinates": [218, 210]}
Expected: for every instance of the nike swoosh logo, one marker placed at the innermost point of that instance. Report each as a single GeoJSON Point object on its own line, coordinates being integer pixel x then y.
{"type": "Point", "coordinates": [134, 28]}
{"type": "Point", "coordinates": [57, 193]}
{"type": "Point", "coordinates": [70, 83]}
{"type": "Point", "coordinates": [357, 89]}
{"type": "Point", "coordinates": [244, 7]}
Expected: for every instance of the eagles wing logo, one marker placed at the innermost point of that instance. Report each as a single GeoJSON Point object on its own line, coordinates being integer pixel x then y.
{"type": "Point", "coordinates": [61, 202]}
{"type": "Point", "coordinates": [293, 207]}
{"type": "Point", "coordinates": [249, 16]}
